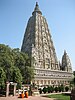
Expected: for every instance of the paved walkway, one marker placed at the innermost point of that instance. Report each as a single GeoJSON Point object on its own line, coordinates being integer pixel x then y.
{"type": "Point", "coordinates": [29, 98]}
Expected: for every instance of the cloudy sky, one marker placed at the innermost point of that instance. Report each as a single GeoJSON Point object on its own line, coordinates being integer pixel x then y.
{"type": "Point", "coordinates": [60, 15]}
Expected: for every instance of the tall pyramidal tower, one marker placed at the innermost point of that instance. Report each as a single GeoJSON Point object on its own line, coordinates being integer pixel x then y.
{"type": "Point", "coordinates": [38, 44]}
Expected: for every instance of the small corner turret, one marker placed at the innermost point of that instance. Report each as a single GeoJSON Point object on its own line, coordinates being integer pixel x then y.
{"type": "Point", "coordinates": [66, 63]}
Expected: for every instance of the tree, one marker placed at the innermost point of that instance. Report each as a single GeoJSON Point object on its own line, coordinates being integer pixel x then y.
{"type": "Point", "coordinates": [7, 66]}
{"type": "Point", "coordinates": [22, 61]}
{"type": "Point", "coordinates": [6, 60]}
{"type": "Point", "coordinates": [16, 63]}
{"type": "Point", "coordinates": [28, 75]}
{"type": "Point", "coordinates": [17, 77]}
{"type": "Point", "coordinates": [2, 78]}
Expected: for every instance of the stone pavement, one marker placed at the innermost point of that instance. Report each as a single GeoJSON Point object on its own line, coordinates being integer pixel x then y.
{"type": "Point", "coordinates": [29, 98]}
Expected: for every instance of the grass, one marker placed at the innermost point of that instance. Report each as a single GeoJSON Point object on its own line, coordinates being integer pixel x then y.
{"type": "Point", "coordinates": [59, 96]}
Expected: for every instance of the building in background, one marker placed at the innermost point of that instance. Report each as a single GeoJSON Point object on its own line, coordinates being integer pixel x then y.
{"type": "Point", "coordinates": [37, 42]}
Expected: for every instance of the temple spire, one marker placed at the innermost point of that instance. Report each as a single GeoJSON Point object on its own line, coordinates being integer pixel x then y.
{"type": "Point", "coordinates": [66, 63]}
{"type": "Point", "coordinates": [36, 9]}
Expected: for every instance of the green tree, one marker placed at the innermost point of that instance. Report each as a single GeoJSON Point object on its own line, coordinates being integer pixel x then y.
{"type": "Point", "coordinates": [21, 62]}
{"type": "Point", "coordinates": [16, 76]}
{"type": "Point", "coordinates": [2, 78]}
{"type": "Point", "coordinates": [28, 75]}
{"type": "Point", "coordinates": [5, 59]}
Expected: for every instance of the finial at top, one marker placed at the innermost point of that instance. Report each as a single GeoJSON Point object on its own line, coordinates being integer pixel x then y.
{"type": "Point", "coordinates": [36, 3]}
{"type": "Point", "coordinates": [65, 52]}
{"type": "Point", "coordinates": [36, 9]}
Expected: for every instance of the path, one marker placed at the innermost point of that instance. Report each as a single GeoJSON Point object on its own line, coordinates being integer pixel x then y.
{"type": "Point", "coordinates": [29, 98]}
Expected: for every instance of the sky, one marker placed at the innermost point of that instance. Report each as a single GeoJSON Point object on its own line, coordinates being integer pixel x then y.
{"type": "Point", "coordinates": [60, 16]}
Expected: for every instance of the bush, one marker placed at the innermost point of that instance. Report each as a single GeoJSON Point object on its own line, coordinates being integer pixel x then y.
{"type": "Point", "coordinates": [44, 90]}
{"type": "Point", "coordinates": [66, 88]}
{"type": "Point", "coordinates": [49, 89]}
{"type": "Point", "coordinates": [52, 89]}
{"type": "Point", "coordinates": [62, 88]}
{"type": "Point", "coordinates": [40, 91]}
{"type": "Point", "coordinates": [56, 89]}
{"type": "Point", "coordinates": [59, 88]}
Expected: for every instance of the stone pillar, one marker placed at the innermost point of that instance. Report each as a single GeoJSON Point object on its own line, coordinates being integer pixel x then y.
{"type": "Point", "coordinates": [50, 82]}
{"type": "Point", "coordinates": [47, 82]}
{"type": "Point", "coordinates": [57, 83]}
{"type": "Point", "coordinates": [15, 88]}
{"type": "Point", "coordinates": [42, 82]}
{"type": "Point", "coordinates": [7, 89]}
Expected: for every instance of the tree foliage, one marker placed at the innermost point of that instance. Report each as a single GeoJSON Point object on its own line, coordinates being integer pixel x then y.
{"type": "Point", "coordinates": [29, 74]}
{"type": "Point", "coordinates": [2, 78]}
{"type": "Point", "coordinates": [15, 65]}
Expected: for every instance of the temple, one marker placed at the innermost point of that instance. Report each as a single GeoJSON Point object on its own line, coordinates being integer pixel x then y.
{"type": "Point", "coordinates": [37, 42]}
